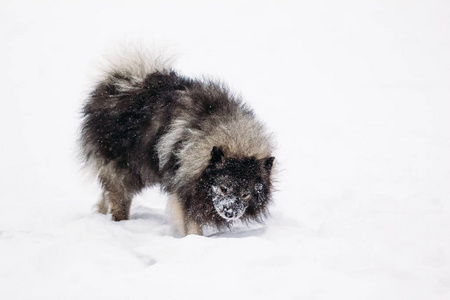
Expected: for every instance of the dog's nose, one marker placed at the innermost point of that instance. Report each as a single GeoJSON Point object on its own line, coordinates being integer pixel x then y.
{"type": "Point", "coordinates": [229, 213]}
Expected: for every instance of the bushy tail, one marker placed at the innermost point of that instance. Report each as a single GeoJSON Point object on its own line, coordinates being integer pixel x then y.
{"type": "Point", "coordinates": [127, 68]}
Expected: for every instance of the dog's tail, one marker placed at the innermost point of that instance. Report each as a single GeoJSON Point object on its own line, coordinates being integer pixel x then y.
{"type": "Point", "coordinates": [127, 68]}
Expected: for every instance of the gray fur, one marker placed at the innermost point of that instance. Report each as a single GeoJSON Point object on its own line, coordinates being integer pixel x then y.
{"type": "Point", "coordinates": [144, 125]}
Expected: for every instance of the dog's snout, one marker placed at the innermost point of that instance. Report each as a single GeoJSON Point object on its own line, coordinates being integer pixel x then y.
{"type": "Point", "coordinates": [230, 208]}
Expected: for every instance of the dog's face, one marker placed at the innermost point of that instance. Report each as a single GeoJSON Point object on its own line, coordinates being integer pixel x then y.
{"type": "Point", "coordinates": [238, 185]}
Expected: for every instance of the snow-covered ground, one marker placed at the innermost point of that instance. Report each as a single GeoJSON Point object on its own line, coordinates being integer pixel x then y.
{"type": "Point", "coordinates": [357, 94]}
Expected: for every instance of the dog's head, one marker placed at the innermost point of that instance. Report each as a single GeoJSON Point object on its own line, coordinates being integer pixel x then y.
{"type": "Point", "coordinates": [239, 186]}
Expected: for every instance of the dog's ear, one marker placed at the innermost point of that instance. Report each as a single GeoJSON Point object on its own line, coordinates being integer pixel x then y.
{"type": "Point", "coordinates": [268, 163]}
{"type": "Point", "coordinates": [217, 155]}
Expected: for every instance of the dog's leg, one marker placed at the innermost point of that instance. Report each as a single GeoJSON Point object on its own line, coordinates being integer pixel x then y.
{"type": "Point", "coordinates": [180, 222]}
{"type": "Point", "coordinates": [176, 216]}
{"type": "Point", "coordinates": [103, 204]}
{"type": "Point", "coordinates": [193, 227]}
{"type": "Point", "coordinates": [120, 205]}
{"type": "Point", "coordinates": [116, 196]}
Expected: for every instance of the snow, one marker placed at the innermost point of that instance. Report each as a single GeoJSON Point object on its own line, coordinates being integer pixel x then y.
{"type": "Point", "coordinates": [357, 94]}
{"type": "Point", "coordinates": [227, 205]}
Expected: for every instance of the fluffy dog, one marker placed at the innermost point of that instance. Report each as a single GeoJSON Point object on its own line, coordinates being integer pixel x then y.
{"type": "Point", "coordinates": [144, 124]}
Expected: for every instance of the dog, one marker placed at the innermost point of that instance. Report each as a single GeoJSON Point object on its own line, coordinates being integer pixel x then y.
{"type": "Point", "coordinates": [145, 124]}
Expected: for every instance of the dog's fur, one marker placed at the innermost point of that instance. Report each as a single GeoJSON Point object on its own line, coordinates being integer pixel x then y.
{"type": "Point", "coordinates": [144, 124]}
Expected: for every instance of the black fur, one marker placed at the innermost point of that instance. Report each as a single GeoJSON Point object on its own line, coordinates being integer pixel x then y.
{"type": "Point", "coordinates": [245, 172]}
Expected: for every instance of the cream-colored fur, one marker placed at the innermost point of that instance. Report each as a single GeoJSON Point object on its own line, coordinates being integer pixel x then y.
{"type": "Point", "coordinates": [180, 223]}
{"type": "Point", "coordinates": [134, 63]}
{"type": "Point", "coordinates": [239, 135]}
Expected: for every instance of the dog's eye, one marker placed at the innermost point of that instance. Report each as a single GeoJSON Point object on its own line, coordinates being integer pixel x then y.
{"type": "Point", "coordinates": [223, 189]}
{"type": "Point", "coordinates": [245, 195]}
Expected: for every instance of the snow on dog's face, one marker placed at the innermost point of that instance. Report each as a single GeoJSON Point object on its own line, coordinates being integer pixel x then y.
{"type": "Point", "coordinates": [230, 199]}
{"type": "Point", "coordinates": [238, 185]}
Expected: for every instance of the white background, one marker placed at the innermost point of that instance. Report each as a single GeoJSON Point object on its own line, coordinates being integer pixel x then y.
{"type": "Point", "coordinates": [356, 93]}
